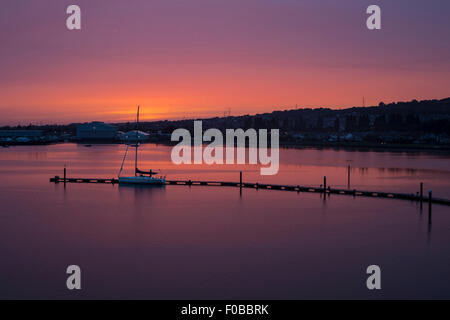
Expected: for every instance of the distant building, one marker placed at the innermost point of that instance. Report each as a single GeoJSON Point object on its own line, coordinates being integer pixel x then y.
{"type": "Point", "coordinates": [19, 135]}
{"type": "Point", "coordinates": [31, 134]}
{"type": "Point", "coordinates": [96, 131]}
{"type": "Point", "coordinates": [133, 137]}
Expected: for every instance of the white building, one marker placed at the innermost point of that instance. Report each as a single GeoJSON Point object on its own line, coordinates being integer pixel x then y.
{"type": "Point", "coordinates": [131, 136]}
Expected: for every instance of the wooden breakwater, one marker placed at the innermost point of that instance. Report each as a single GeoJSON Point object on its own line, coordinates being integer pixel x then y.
{"type": "Point", "coordinates": [420, 197]}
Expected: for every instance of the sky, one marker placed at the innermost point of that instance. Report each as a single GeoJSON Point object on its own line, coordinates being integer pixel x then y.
{"type": "Point", "coordinates": [199, 58]}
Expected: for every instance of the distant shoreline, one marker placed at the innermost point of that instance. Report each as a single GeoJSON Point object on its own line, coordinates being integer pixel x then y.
{"type": "Point", "coordinates": [348, 146]}
{"type": "Point", "coordinates": [366, 146]}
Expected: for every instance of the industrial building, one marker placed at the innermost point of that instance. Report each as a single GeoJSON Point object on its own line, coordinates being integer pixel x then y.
{"type": "Point", "coordinates": [96, 131]}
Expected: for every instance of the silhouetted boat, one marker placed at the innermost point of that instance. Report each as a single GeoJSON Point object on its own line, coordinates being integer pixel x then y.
{"type": "Point", "coordinates": [140, 177]}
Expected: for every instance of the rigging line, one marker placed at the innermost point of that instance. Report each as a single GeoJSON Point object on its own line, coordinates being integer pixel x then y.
{"type": "Point", "coordinates": [123, 161]}
{"type": "Point", "coordinates": [137, 142]}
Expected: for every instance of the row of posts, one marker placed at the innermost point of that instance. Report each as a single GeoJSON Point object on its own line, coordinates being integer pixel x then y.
{"type": "Point", "coordinates": [430, 193]}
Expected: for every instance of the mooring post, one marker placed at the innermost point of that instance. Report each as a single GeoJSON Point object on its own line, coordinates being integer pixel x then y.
{"type": "Point", "coordinates": [240, 183]}
{"type": "Point", "coordinates": [65, 170]}
{"type": "Point", "coordinates": [421, 197]}
{"type": "Point", "coordinates": [325, 184]}
{"type": "Point", "coordinates": [348, 176]}
{"type": "Point", "coordinates": [240, 179]}
{"type": "Point", "coordinates": [421, 191]}
{"type": "Point", "coordinates": [430, 199]}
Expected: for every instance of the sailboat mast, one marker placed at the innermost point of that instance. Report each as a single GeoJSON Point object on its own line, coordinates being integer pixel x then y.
{"type": "Point", "coordinates": [137, 136]}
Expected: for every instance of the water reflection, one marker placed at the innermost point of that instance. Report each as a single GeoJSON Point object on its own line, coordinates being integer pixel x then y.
{"type": "Point", "coordinates": [141, 193]}
{"type": "Point", "coordinates": [181, 242]}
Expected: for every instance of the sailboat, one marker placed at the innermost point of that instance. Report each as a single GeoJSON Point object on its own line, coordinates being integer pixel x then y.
{"type": "Point", "coordinates": [140, 177]}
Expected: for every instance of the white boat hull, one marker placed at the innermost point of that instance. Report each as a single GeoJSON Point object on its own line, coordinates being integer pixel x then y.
{"type": "Point", "coordinates": [142, 180]}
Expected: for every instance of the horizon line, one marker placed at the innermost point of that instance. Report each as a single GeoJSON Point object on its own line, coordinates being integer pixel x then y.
{"type": "Point", "coordinates": [337, 108]}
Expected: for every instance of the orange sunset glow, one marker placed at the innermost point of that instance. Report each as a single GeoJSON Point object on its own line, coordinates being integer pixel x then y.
{"type": "Point", "coordinates": [182, 60]}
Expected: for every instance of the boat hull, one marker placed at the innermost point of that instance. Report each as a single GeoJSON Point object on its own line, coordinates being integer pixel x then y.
{"type": "Point", "coordinates": [140, 180]}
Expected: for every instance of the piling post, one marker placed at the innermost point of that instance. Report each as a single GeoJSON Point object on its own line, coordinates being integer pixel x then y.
{"type": "Point", "coordinates": [240, 183]}
{"type": "Point", "coordinates": [421, 191]}
{"type": "Point", "coordinates": [65, 176]}
{"type": "Point", "coordinates": [240, 179]}
{"type": "Point", "coordinates": [421, 197]}
{"type": "Point", "coordinates": [348, 176]}
{"type": "Point", "coordinates": [430, 200]}
{"type": "Point", "coordinates": [325, 184]}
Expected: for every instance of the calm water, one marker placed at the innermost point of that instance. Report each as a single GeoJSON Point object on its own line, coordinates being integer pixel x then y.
{"type": "Point", "coordinates": [210, 242]}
